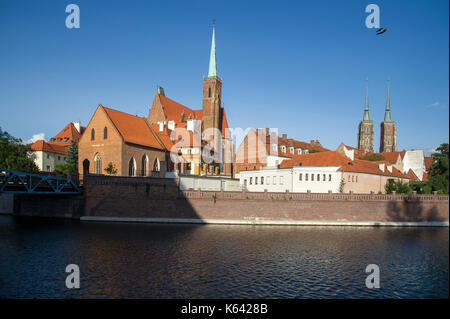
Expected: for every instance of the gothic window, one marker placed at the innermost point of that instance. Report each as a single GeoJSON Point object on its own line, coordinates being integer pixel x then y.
{"type": "Point", "coordinates": [156, 165]}
{"type": "Point", "coordinates": [105, 133]}
{"type": "Point", "coordinates": [98, 164]}
{"type": "Point", "coordinates": [144, 165]}
{"type": "Point", "coordinates": [209, 92]}
{"type": "Point", "coordinates": [132, 167]}
{"type": "Point", "coordinates": [92, 135]}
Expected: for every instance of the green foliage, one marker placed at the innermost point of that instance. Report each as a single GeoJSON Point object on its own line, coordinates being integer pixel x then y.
{"type": "Point", "coordinates": [72, 157]}
{"type": "Point", "coordinates": [372, 157]}
{"type": "Point", "coordinates": [14, 154]}
{"type": "Point", "coordinates": [314, 151]}
{"type": "Point", "coordinates": [438, 172]}
{"type": "Point", "coordinates": [214, 197]}
{"type": "Point", "coordinates": [398, 186]}
{"type": "Point", "coordinates": [422, 188]}
{"type": "Point", "coordinates": [341, 186]}
{"type": "Point", "coordinates": [64, 169]}
{"type": "Point", "coordinates": [111, 169]}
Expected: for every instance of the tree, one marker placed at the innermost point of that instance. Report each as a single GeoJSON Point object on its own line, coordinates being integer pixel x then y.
{"type": "Point", "coordinates": [341, 186]}
{"type": "Point", "coordinates": [438, 172]}
{"type": "Point", "coordinates": [111, 169]}
{"type": "Point", "coordinates": [14, 154]}
{"type": "Point", "coordinates": [372, 157]}
{"type": "Point", "coordinates": [398, 186]}
{"type": "Point", "coordinates": [314, 151]}
{"type": "Point", "coordinates": [72, 157]}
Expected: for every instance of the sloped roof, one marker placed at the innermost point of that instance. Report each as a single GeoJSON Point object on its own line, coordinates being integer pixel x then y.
{"type": "Point", "coordinates": [42, 145]}
{"type": "Point", "coordinates": [133, 129]}
{"type": "Point", "coordinates": [392, 157]}
{"type": "Point", "coordinates": [66, 135]}
{"type": "Point", "coordinates": [429, 160]}
{"type": "Point", "coordinates": [412, 175]}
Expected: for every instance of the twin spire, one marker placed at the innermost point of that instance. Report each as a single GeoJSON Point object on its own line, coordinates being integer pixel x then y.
{"type": "Point", "coordinates": [212, 59]}
{"type": "Point", "coordinates": [387, 113]}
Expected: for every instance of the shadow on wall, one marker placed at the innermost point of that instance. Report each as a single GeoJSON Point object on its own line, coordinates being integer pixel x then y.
{"type": "Point", "coordinates": [142, 197]}
{"type": "Point", "coordinates": [412, 211]}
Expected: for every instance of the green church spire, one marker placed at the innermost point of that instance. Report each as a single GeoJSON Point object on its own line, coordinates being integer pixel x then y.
{"type": "Point", "coordinates": [212, 59]}
{"type": "Point", "coordinates": [387, 113]}
{"type": "Point", "coordinates": [366, 106]}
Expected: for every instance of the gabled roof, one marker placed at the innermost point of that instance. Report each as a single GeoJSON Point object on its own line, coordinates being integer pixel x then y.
{"type": "Point", "coordinates": [133, 129]}
{"type": "Point", "coordinates": [42, 145]}
{"type": "Point", "coordinates": [392, 157]}
{"type": "Point", "coordinates": [67, 134]}
{"type": "Point", "coordinates": [412, 176]}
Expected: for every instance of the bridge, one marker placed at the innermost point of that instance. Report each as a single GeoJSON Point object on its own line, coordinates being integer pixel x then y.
{"type": "Point", "coordinates": [14, 182]}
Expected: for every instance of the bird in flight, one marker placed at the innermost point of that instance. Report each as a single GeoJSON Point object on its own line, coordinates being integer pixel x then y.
{"type": "Point", "coordinates": [381, 31]}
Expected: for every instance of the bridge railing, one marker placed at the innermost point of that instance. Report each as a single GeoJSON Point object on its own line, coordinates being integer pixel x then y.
{"type": "Point", "coordinates": [22, 182]}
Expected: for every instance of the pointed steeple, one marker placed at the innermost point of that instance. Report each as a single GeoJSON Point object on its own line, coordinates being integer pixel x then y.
{"type": "Point", "coordinates": [387, 113]}
{"type": "Point", "coordinates": [212, 59]}
{"type": "Point", "coordinates": [366, 106]}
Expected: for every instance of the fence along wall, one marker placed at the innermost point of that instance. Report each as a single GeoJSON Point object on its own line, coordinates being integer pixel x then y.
{"type": "Point", "coordinates": [160, 200]}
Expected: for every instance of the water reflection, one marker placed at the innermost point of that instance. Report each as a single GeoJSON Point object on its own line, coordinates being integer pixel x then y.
{"type": "Point", "coordinates": [216, 261]}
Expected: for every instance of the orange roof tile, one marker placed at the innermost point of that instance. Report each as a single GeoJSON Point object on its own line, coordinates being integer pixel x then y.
{"type": "Point", "coordinates": [392, 157]}
{"type": "Point", "coordinates": [429, 160]}
{"type": "Point", "coordinates": [412, 175]}
{"type": "Point", "coordinates": [133, 129]}
{"type": "Point", "coordinates": [67, 134]}
{"type": "Point", "coordinates": [42, 145]}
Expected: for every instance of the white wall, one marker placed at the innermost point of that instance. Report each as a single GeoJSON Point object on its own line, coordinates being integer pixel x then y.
{"type": "Point", "coordinates": [272, 160]}
{"type": "Point", "coordinates": [274, 180]}
{"type": "Point", "coordinates": [47, 161]}
{"type": "Point", "coordinates": [316, 186]}
{"type": "Point", "coordinates": [414, 160]}
{"type": "Point", "coordinates": [209, 183]}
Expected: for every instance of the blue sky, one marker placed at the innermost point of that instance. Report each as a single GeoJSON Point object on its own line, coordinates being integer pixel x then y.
{"type": "Point", "coordinates": [299, 66]}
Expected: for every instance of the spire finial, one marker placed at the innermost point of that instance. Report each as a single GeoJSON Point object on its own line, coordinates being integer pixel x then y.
{"type": "Point", "coordinates": [212, 59]}
{"type": "Point", "coordinates": [366, 105]}
{"type": "Point", "coordinates": [387, 113]}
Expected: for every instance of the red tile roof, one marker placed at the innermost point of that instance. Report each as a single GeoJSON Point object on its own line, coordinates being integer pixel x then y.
{"type": "Point", "coordinates": [42, 145]}
{"type": "Point", "coordinates": [133, 129]}
{"type": "Point", "coordinates": [412, 175]}
{"type": "Point", "coordinates": [429, 160]}
{"type": "Point", "coordinates": [334, 158]}
{"type": "Point", "coordinates": [67, 134]}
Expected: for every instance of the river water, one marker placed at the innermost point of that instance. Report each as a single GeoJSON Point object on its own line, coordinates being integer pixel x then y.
{"type": "Point", "coordinates": [217, 261]}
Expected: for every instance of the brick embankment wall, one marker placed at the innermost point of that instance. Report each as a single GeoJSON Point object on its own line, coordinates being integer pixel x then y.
{"type": "Point", "coordinates": [6, 203]}
{"type": "Point", "coordinates": [154, 198]}
{"type": "Point", "coordinates": [39, 205]}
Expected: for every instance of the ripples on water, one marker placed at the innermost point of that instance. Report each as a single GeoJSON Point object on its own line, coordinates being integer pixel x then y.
{"type": "Point", "coordinates": [216, 261]}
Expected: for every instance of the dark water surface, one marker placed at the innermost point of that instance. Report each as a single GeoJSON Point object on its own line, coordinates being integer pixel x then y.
{"type": "Point", "coordinates": [215, 261]}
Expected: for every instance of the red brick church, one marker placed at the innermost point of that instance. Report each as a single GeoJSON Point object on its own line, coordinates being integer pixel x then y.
{"type": "Point", "coordinates": [172, 138]}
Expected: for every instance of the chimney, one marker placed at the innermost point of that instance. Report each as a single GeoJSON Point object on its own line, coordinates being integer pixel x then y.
{"type": "Point", "coordinates": [267, 131]}
{"type": "Point", "coordinates": [161, 91]}
{"type": "Point", "coordinates": [161, 126]}
{"type": "Point", "coordinates": [284, 136]}
{"type": "Point", "coordinates": [77, 126]}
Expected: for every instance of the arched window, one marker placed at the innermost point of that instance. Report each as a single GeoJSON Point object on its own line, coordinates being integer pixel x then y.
{"type": "Point", "coordinates": [209, 92]}
{"type": "Point", "coordinates": [144, 165]}
{"type": "Point", "coordinates": [105, 133]}
{"type": "Point", "coordinates": [98, 163]}
{"type": "Point", "coordinates": [92, 134]}
{"type": "Point", "coordinates": [156, 166]}
{"type": "Point", "coordinates": [132, 167]}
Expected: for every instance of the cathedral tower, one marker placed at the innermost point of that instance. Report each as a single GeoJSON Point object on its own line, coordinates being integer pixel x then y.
{"type": "Point", "coordinates": [388, 137]}
{"type": "Point", "coordinates": [365, 129]}
{"type": "Point", "coordinates": [212, 92]}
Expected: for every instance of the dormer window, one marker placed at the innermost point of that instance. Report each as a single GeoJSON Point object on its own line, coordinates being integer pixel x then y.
{"type": "Point", "coordinates": [283, 148]}
{"type": "Point", "coordinates": [299, 151]}
{"type": "Point", "coordinates": [66, 139]}
{"type": "Point", "coordinates": [59, 139]}
{"type": "Point", "coordinates": [306, 152]}
{"type": "Point", "coordinates": [291, 150]}
{"type": "Point", "coordinates": [274, 147]}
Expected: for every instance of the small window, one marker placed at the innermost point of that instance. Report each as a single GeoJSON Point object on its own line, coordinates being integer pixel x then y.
{"type": "Point", "coordinates": [59, 158]}
{"type": "Point", "coordinates": [48, 168]}
{"type": "Point", "coordinates": [299, 151]}
{"type": "Point", "coordinates": [274, 180]}
{"type": "Point", "coordinates": [306, 152]}
{"type": "Point", "coordinates": [356, 179]}
{"type": "Point", "coordinates": [353, 178]}
{"type": "Point", "coordinates": [268, 180]}
{"type": "Point", "coordinates": [349, 178]}
{"type": "Point", "coordinates": [291, 150]}
{"type": "Point", "coordinates": [48, 156]}
{"type": "Point", "coordinates": [262, 180]}
{"type": "Point", "coordinates": [300, 176]}
{"type": "Point", "coordinates": [209, 92]}
{"type": "Point", "coordinates": [312, 177]}
{"type": "Point", "coordinates": [64, 158]}
{"type": "Point", "coordinates": [318, 177]}
{"type": "Point", "coordinates": [66, 139]}
{"type": "Point", "coordinates": [329, 178]}
{"type": "Point", "coordinates": [105, 133]}
{"type": "Point", "coordinates": [306, 176]}
{"type": "Point", "coordinates": [281, 180]}
{"type": "Point", "coordinates": [283, 148]}
{"type": "Point", "coordinates": [92, 135]}
{"type": "Point", "coordinates": [251, 180]}
{"type": "Point", "coordinates": [59, 139]}
{"type": "Point", "coordinates": [256, 180]}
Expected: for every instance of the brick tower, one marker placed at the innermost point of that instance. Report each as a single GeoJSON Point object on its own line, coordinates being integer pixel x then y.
{"type": "Point", "coordinates": [212, 94]}
{"type": "Point", "coordinates": [365, 129]}
{"type": "Point", "coordinates": [388, 135]}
